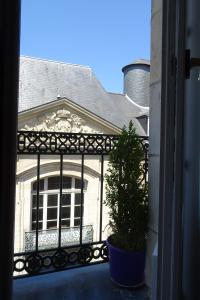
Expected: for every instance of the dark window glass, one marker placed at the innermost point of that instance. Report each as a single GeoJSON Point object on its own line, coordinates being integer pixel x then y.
{"type": "Point", "coordinates": [41, 185]}
{"type": "Point", "coordinates": [67, 182]}
{"type": "Point", "coordinates": [78, 183]}
{"type": "Point", "coordinates": [34, 202]}
{"type": "Point", "coordinates": [51, 224]}
{"type": "Point", "coordinates": [39, 226]}
{"type": "Point", "coordinates": [65, 212]}
{"type": "Point", "coordinates": [52, 200]}
{"type": "Point", "coordinates": [77, 212]}
{"type": "Point", "coordinates": [77, 222]}
{"type": "Point", "coordinates": [40, 217]}
{"type": "Point", "coordinates": [53, 183]}
{"type": "Point", "coordinates": [52, 213]}
{"type": "Point", "coordinates": [65, 223]}
{"type": "Point", "coordinates": [34, 215]}
{"type": "Point", "coordinates": [40, 214]}
{"type": "Point", "coordinates": [78, 199]}
{"type": "Point", "coordinates": [66, 199]}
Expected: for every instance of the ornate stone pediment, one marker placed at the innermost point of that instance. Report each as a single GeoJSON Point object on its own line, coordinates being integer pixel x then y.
{"type": "Point", "coordinates": [58, 120]}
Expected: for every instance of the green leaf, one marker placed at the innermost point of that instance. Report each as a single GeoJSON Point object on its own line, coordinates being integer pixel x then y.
{"type": "Point", "coordinates": [127, 192]}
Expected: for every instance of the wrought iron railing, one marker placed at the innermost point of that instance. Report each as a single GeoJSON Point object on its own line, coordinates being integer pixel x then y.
{"type": "Point", "coordinates": [32, 142]}
{"type": "Point", "coordinates": [39, 256]}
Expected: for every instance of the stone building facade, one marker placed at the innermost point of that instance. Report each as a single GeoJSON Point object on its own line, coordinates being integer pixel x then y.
{"type": "Point", "coordinates": [59, 97]}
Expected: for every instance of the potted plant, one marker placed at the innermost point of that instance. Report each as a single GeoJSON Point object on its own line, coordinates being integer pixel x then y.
{"type": "Point", "coordinates": [127, 199]}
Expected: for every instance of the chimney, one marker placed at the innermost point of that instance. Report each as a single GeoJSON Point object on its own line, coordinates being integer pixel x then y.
{"type": "Point", "coordinates": [136, 81]}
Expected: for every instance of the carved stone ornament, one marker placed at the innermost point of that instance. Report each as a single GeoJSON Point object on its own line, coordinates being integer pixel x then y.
{"type": "Point", "coordinates": [61, 120]}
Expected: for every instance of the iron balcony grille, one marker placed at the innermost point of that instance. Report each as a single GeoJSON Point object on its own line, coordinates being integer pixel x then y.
{"type": "Point", "coordinates": [51, 250]}
{"type": "Point", "coordinates": [32, 142]}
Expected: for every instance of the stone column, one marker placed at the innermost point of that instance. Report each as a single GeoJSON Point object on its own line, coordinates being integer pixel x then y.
{"type": "Point", "coordinates": [154, 138]}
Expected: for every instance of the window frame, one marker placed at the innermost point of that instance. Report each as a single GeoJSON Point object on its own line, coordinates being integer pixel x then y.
{"type": "Point", "coordinates": [45, 192]}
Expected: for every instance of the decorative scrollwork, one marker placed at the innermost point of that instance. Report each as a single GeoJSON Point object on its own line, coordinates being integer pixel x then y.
{"type": "Point", "coordinates": [34, 142]}
{"type": "Point", "coordinates": [19, 265]}
{"type": "Point", "coordinates": [33, 263]}
{"type": "Point", "coordinates": [85, 255]}
{"type": "Point", "coordinates": [60, 120]}
{"type": "Point", "coordinates": [73, 257]}
{"type": "Point", "coordinates": [60, 259]}
{"type": "Point", "coordinates": [47, 261]}
{"type": "Point", "coordinates": [96, 252]}
{"type": "Point", "coordinates": [50, 260]}
{"type": "Point", "coordinates": [104, 252]}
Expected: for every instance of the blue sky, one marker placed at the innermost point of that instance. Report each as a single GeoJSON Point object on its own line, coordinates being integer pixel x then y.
{"type": "Point", "coordinates": [102, 34]}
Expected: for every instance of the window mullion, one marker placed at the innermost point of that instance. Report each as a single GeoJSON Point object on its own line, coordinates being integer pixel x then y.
{"type": "Point", "coordinates": [58, 210]}
{"type": "Point", "coordinates": [72, 209]}
{"type": "Point", "coordinates": [45, 205]}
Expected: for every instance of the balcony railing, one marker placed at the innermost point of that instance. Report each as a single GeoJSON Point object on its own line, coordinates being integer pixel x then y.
{"type": "Point", "coordinates": [54, 249]}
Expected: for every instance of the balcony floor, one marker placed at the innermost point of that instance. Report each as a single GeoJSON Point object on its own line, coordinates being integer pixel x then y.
{"type": "Point", "coordinates": [86, 283]}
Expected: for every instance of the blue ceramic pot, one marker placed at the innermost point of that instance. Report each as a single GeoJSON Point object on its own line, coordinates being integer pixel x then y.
{"type": "Point", "coordinates": [126, 267]}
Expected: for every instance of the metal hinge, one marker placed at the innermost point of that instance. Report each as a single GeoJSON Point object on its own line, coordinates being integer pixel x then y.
{"type": "Point", "coordinates": [190, 62]}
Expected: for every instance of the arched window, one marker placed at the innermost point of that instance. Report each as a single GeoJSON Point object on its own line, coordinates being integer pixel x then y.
{"type": "Point", "coordinates": [49, 202]}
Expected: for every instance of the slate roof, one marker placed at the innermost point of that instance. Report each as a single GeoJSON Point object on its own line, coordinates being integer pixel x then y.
{"type": "Point", "coordinates": [42, 81]}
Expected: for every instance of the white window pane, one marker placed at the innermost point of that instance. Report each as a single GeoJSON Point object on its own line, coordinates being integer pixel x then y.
{"type": "Point", "coordinates": [78, 184]}
{"type": "Point", "coordinates": [41, 185]}
{"type": "Point", "coordinates": [40, 214]}
{"type": "Point", "coordinates": [39, 226]}
{"type": "Point", "coordinates": [65, 212]}
{"type": "Point", "coordinates": [78, 199]}
{"type": "Point", "coordinates": [53, 200]}
{"type": "Point", "coordinates": [51, 213]}
{"type": "Point", "coordinates": [34, 201]}
{"type": "Point", "coordinates": [65, 223]}
{"type": "Point", "coordinates": [66, 199]}
{"type": "Point", "coordinates": [51, 224]}
{"type": "Point", "coordinates": [67, 182]}
{"type": "Point", "coordinates": [77, 211]}
{"type": "Point", "coordinates": [54, 183]}
{"type": "Point", "coordinates": [77, 222]}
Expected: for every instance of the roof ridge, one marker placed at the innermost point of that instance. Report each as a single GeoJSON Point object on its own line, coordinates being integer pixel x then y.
{"type": "Point", "coordinates": [56, 61]}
